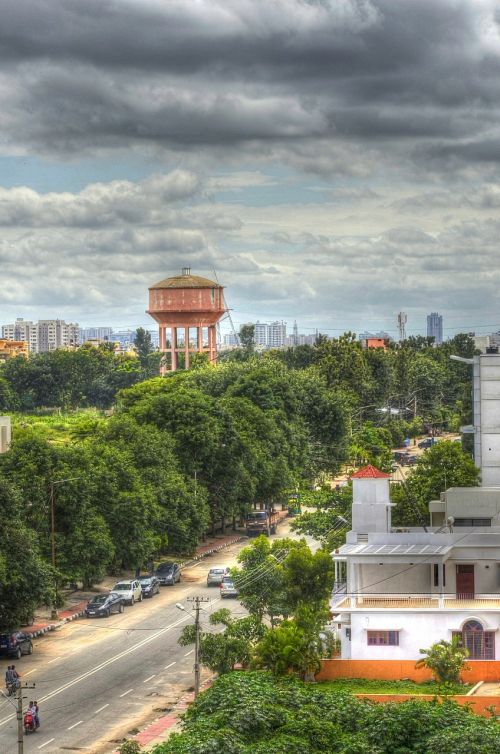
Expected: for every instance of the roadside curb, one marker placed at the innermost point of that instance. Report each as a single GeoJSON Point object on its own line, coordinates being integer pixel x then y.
{"type": "Point", "coordinates": [44, 628]}
{"type": "Point", "coordinates": [212, 550]}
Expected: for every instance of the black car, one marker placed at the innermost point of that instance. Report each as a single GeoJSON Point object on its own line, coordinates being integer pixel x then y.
{"type": "Point", "coordinates": [15, 645]}
{"type": "Point", "coordinates": [102, 605]}
{"type": "Point", "coordinates": [168, 573]}
{"type": "Point", "coordinates": [149, 585]}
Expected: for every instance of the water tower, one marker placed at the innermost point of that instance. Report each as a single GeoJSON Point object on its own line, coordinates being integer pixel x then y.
{"type": "Point", "coordinates": [187, 309]}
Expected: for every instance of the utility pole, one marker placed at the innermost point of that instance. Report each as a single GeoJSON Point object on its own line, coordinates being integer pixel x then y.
{"type": "Point", "coordinates": [19, 715]}
{"type": "Point", "coordinates": [197, 608]}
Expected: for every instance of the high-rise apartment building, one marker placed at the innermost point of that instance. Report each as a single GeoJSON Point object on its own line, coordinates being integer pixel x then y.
{"type": "Point", "coordinates": [435, 327]}
{"type": "Point", "coordinates": [22, 329]}
{"type": "Point", "coordinates": [96, 333]}
{"type": "Point", "coordinates": [44, 335]}
{"type": "Point", "coordinates": [260, 337]}
{"type": "Point", "coordinates": [276, 334]}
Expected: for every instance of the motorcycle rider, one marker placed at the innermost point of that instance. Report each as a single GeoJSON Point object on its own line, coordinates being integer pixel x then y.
{"type": "Point", "coordinates": [15, 676]}
{"type": "Point", "coordinates": [36, 714]}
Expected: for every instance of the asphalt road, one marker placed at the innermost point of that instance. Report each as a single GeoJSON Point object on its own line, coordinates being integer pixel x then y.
{"type": "Point", "coordinates": [99, 679]}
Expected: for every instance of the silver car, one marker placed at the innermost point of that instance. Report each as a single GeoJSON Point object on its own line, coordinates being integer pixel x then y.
{"type": "Point", "coordinates": [227, 588]}
{"type": "Point", "coordinates": [216, 574]}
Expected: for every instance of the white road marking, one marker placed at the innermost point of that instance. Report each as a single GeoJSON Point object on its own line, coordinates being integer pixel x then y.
{"type": "Point", "coordinates": [30, 671]}
{"type": "Point", "coordinates": [148, 679]}
{"type": "Point", "coordinates": [169, 666]}
{"type": "Point", "coordinates": [196, 566]}
{"type": "Point", "coordinates": [74, 726]}
{"type": "Point", "coordinates": [125, 693]}
{"type": "Point", "coordinates": [105, 664]}
{"type": "Point", "coordinates": [55, 658]}
{"type": "Point", "coordinates": [101, 709]}
{"type": "Point", "coordinates": [46, 742]}
{"type": "Point", "coordinates": [189, 653]}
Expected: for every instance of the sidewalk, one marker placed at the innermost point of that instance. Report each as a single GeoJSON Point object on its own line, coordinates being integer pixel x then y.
{"type": "Point", "coordinates": [76, 610]}
{"type": "Point", "coordinates": [160, 729]}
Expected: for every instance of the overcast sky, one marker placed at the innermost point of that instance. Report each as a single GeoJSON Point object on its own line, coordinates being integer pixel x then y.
{"type": "Point", "coordinates": [334, 161]}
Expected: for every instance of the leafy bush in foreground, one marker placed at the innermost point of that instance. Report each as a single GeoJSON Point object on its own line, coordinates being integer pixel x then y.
{"type": "Point", "coordinates": [254, 713]}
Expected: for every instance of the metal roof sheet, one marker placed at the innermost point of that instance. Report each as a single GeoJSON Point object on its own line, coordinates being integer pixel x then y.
{"type": "Point", "coordinates": [419, 550]}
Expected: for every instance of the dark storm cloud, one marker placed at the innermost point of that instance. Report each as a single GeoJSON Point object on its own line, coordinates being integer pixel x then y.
{"type": "Point", "coordinates": [104, 74]}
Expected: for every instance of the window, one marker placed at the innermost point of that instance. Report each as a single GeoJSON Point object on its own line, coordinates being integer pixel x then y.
{"type": "Point", "coordinates": [436, 574]}
{"type": "Point", "coordinates": [473, 522]}
{"type": "Point", "coordinates": [383, 638]}
{"type": "Point", "coordinates": [479, 643]}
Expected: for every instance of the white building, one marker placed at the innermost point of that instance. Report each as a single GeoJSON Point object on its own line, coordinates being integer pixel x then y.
{"type": "Point", "coordinates": [276, 334]}
{"type": "Point", "coordinates": [399, 590]}
{"type": "Point", "coordinates": [44, 335]}
{"type": "Point", "coordinates": [96, 333]}
{"type": "Point", "coordinates": [22, 329]}
{"type": "Point", "coordinates": [5, 433]}
{"type": "Point", "coordinates": [261, 334]}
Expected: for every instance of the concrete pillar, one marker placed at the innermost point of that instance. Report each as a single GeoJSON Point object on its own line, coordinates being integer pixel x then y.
{"type": "Point", "coordinates": [186, 348]}
{"type": "Point", "coordinates": [174, 349]}
{"type": "Point", "coordinates": [199, 331]}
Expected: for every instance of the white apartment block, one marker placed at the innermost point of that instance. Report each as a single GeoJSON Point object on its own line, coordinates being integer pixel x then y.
{"type": "Point", "coordinates": [398, 589]}
{"type": "Point", "coordinates": [276, 334]}
{"type": "Point", "coordinates": [44, 335]}
{"type": "Point", "coordinates": [22, 329]}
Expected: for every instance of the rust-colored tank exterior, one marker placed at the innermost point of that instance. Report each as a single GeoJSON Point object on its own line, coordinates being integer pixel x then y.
{"type": "Point", "coordinates": [187, 308]}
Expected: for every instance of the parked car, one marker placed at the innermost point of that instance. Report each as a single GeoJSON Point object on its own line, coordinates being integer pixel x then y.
{"type": "Point", "coordinates": [15, 645]}
{"type": "Point", "coordinates": [129, 591]}
{"type": "Point", "coordinates": [168, 573]}
{"type": "Point", "coordinates": [102, 605]}
{"type": "Point", "coordinates": [227, 588]}
{"type": "Point", "coordinates": [427, 443]}
{"type": "Point", "coordinates": [149, 585]}
{"type": "Point", "coordinates": [409, 461]}
{"type": "Point", "coordinates": [400, 455]}
{"type": "Point", "coordinates": [216, 574]}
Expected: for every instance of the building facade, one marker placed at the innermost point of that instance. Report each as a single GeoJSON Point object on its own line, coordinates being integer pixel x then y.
{"type": "Point", "coordinates": [398, 590]}
{"type": "Point", "coordinates": [44, 335]}
{"type": "Point", "coordinates": [9, 349]}
{"type": "Point", "coordinates": [435, 327]}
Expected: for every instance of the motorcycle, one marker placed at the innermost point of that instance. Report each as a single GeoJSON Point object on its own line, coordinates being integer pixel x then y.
{"type": "Point", "coordinates": [12, 687]}
{"type": "Point", "coordinates": [29, 723]}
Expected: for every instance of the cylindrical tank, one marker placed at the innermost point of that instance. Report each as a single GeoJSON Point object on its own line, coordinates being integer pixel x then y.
{"type": "Point", "coordinates": [187, 308]}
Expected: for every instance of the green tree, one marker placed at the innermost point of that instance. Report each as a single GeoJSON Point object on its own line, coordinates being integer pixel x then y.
{"type": "Point", "coordinates": [143, 345]}
{"type": "Point", "coordinates": [220, 652]}
{"type": "Point", "coordinates": [442, 466]}
{"type": "Point", "coordinates": [247, 337]}
{"type": "Point", "coordinates": [446, 660]}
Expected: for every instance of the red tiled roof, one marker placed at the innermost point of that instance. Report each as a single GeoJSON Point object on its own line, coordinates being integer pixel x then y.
{"type": "Point", "coordinates": [370, 472]}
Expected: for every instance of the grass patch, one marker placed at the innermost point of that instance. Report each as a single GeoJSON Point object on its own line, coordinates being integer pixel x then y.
{"type": "Point", "coordinates": [58, 427]}
{"type": "Point", "coordinates": [366, 686]}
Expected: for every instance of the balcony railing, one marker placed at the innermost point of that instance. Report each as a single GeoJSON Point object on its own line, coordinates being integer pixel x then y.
{"type": "Point", "coordinates": [416, 601]}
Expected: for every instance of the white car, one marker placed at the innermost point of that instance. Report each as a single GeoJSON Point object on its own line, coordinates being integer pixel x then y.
{"type": "Point", "coordinates": [129, 591]}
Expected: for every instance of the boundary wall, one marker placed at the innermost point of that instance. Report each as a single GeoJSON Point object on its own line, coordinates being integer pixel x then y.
{"type": "Point", "coordinates": [480, 705]}
{"type": "Point", "coordinates": [398, 670]}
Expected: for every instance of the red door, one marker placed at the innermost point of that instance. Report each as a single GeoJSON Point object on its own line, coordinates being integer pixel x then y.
{"type": "Point", "coordinates": [465, 582]}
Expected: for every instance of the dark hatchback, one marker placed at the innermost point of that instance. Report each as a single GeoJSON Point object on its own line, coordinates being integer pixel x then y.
{"type": "Point", "coordinates": [149, 585]}
{"type": "Point", "coordinates": [15, 645]}
{"type": "Point", "coordinates": [102, 605]}
{"type": "Point", "coordinates": [168, 573]}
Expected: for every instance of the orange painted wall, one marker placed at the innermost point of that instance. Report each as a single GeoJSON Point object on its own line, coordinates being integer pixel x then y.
{"type": "Point", "coordinates": [478, 704]}
{"type": "Point", "coordinates": [396, 670]}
